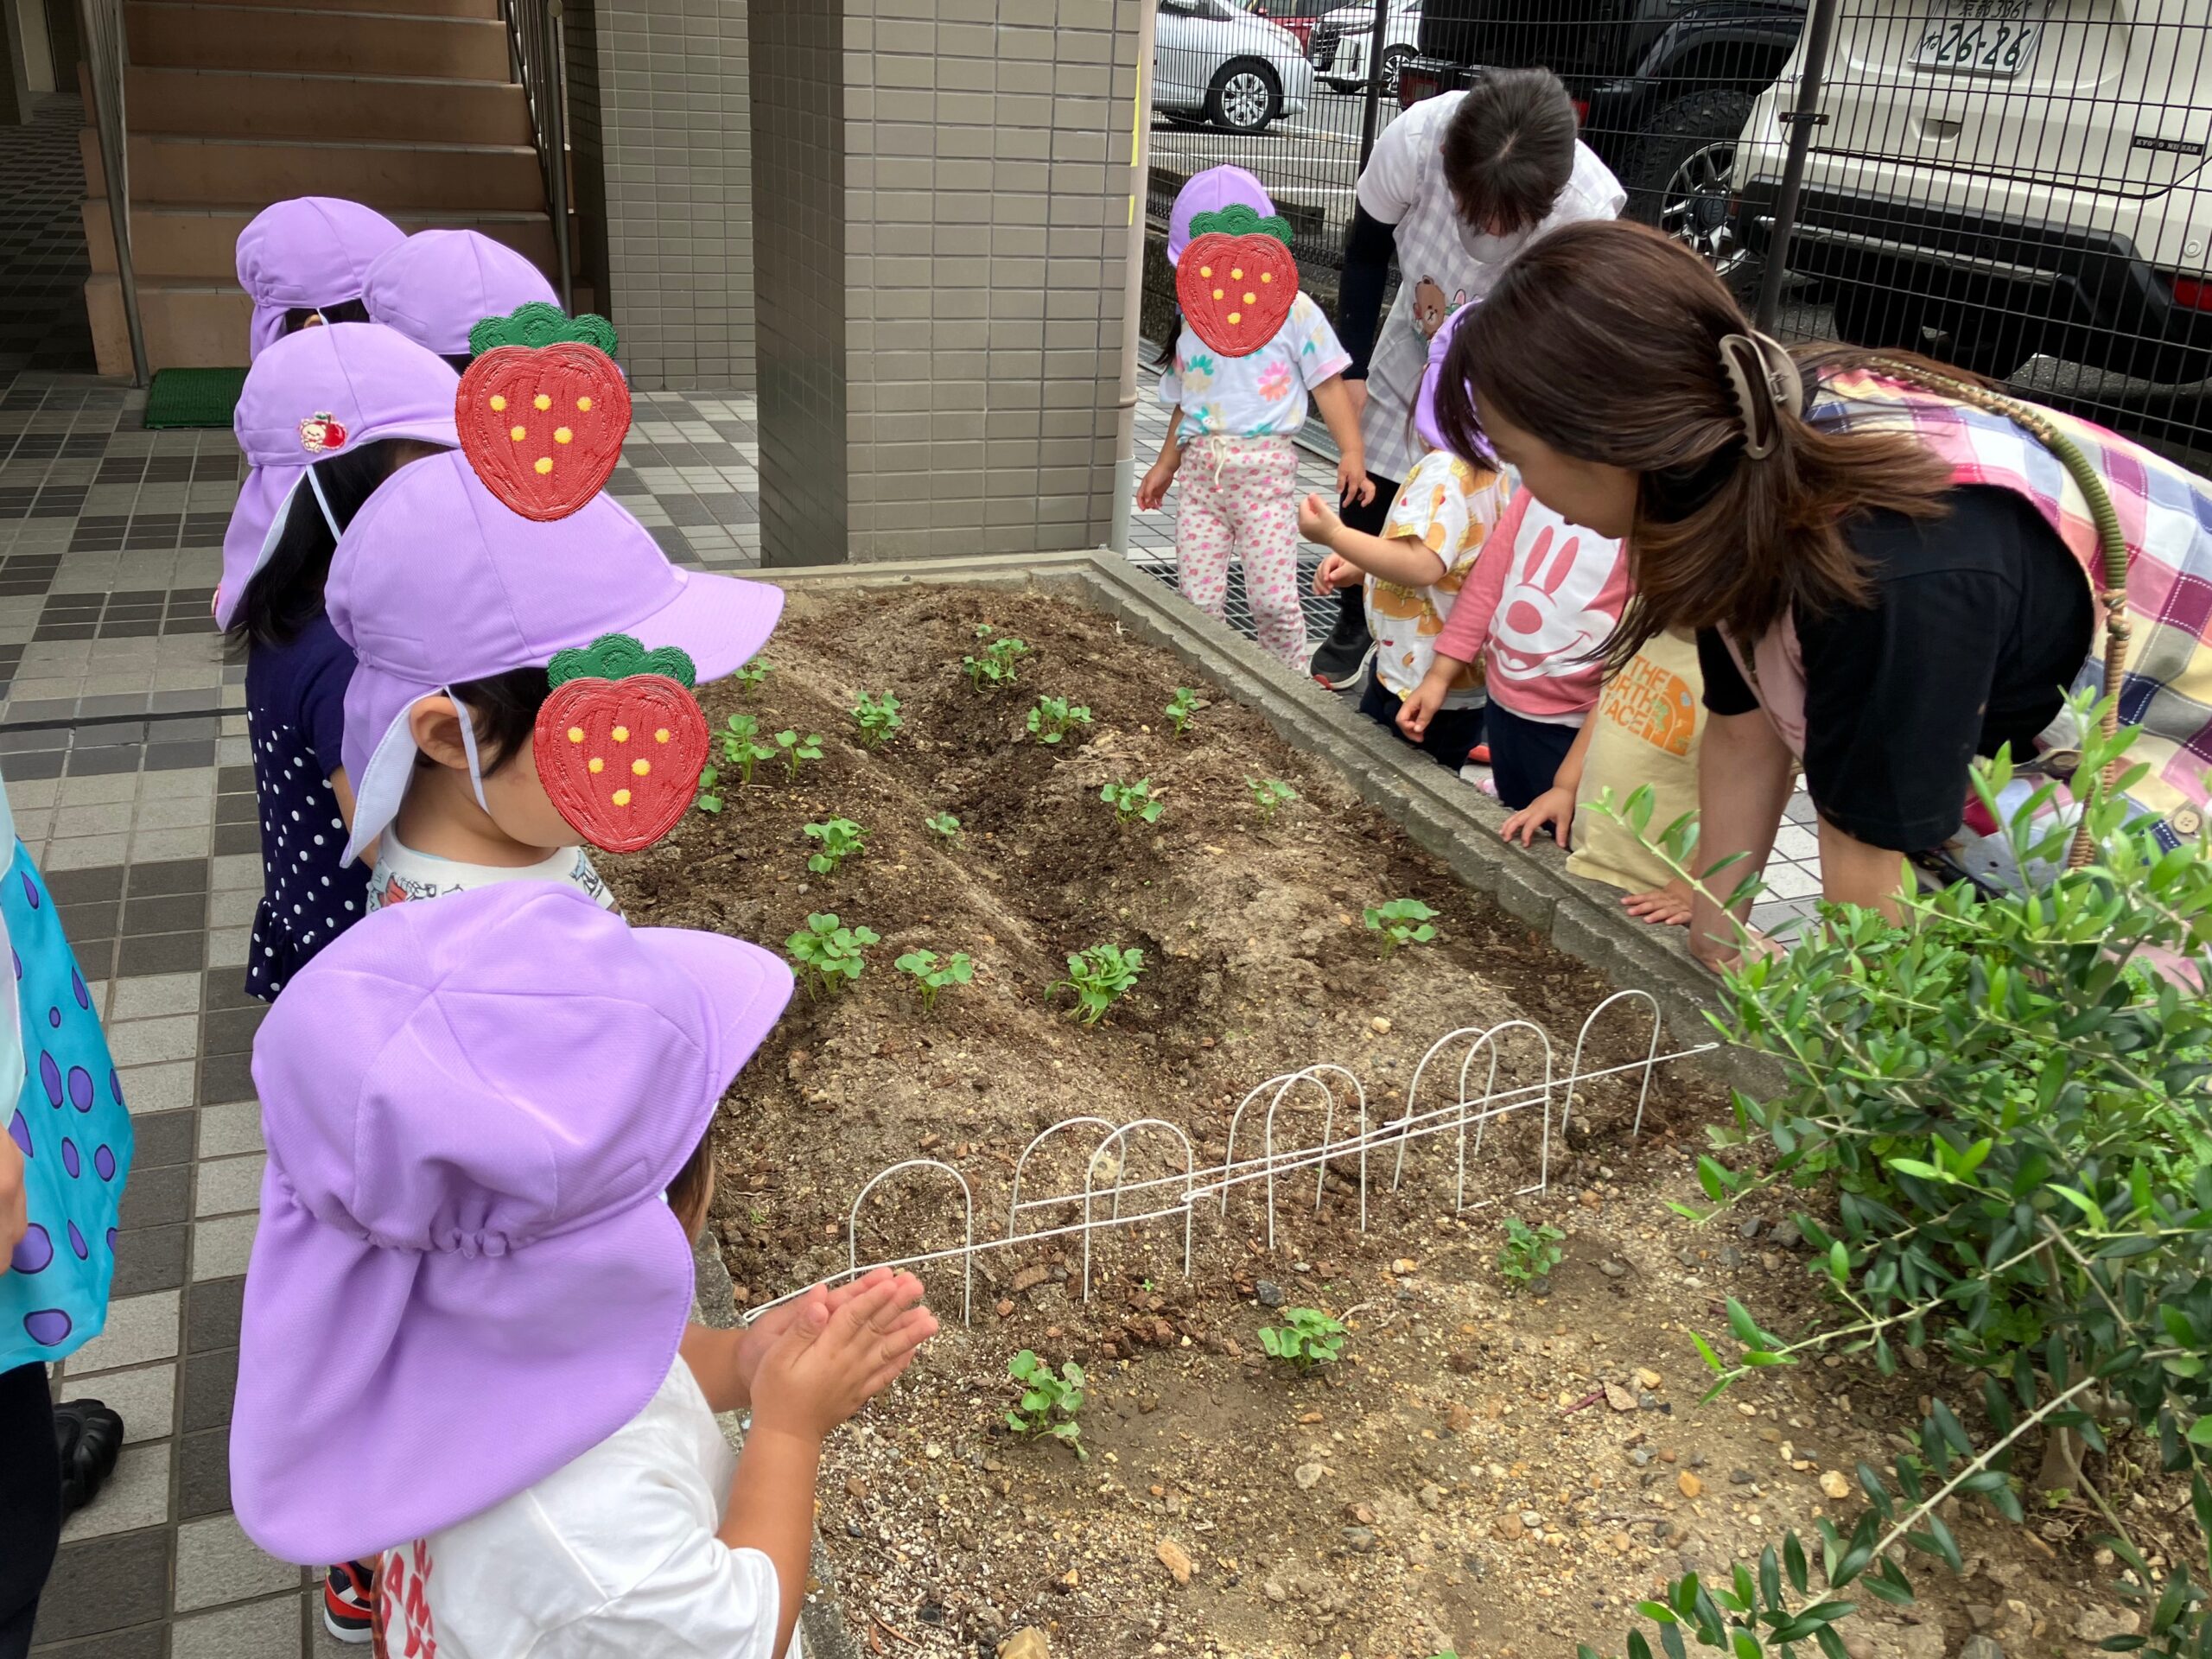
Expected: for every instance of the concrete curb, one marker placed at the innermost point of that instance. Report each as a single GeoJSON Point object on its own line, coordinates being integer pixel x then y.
{"type": "Point", "coordinates": [1450, 820]}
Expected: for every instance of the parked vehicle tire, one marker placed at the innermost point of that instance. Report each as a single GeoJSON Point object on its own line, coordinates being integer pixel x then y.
{"type": "Point", "coordinates": [1394, 59]}
{"type": "Point", "coordinates": [1335, 86]}
{"type": "Point", "coordinates": [1245, 96]}
{"type": "Point", "coordinates": [1680, 174]}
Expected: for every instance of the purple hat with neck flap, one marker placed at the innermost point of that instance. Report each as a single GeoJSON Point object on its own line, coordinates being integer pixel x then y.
{"type": "Point", "coordinates": [310, 251]}
{"type": "Point", "coordinates": [437, 285]}
{"type": "Point", "coordinates": [436, 582]}
{"type": "Point", "coordinates": [1425, 403]}
{"type": "Point", "coordinates": [313, 395]}
{"type": "Point", "coordinates": [473, 1110]}
{"type": "Point", "coordinates": [1208, 192]}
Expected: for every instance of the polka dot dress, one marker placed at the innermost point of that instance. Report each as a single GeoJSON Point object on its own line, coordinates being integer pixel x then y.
{"type": "Point", "coordinates": [69, 1123]}
{"type": "Point", "coordinates": [296, 716]}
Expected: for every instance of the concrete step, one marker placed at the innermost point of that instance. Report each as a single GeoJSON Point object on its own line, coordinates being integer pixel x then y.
{"type": "Point", "coordinates": [179, 34]}
{"type": "Point", "coordinates": [246, 104]}
{"type": "Point", "coordinates": [187, 326]}
{"type": "Point", "coordinates": [199, 245]}
{"type": "Point", "coordinates": [186, 171]}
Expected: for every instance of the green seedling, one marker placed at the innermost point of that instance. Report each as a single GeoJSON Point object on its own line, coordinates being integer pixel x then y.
{"type": "Point", "coordinates": [748, 678]}
{"type": "Point", "coordinates": [841, 839]}
{"type": "Point", "coordinates": [996, 666]}
{"type": "Point", "coordinates": [1049, 1402]}
{"type": "Point", "coordinates": [798, 750]}
{"type": "Point", "coordinates": [1529, 1253]}
{"type": "Point", "coordinates": [828, 955]}
{"type": "Point", "coordinates": [1133, 802]}
{"type": "Point", "coordinates": [1184, 706]}
{"type": "Point", "coordinates": [1269, 794]}
{"type": "Point", "coordinates": [707, 800]}
{"type": "Point", "coordinates": [1053, 718]}
{"type": "Point", "coordinates": [1402, 922]}
{"type": "Point", "coordinates": [932, 973]}
{"type": "Point", "coordinates": [944, 827]}
{"type": "Point", "coordinates": [878, 719]}
{"type": "Point", "coordinates": [742, 747]}
{"type": "Point", "coordinates": [1307, 1338]}
{"type": "Point", "coordinates": [1100, 977]}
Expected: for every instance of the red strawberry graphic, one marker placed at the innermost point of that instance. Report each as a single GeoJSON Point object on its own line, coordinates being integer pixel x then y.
{"type": "Point", "coordinates": [1237, 280]}
{"type": "Point", "coordinates": [543, 410]}
{"type": "Point", "coordinates": [621, 742]}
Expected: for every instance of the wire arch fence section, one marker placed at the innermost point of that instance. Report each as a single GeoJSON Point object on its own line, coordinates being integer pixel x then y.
{"type": "Point", "coordinates": [1111, 1200]}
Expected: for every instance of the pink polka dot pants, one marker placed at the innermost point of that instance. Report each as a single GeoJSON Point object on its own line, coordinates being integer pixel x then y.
{"type": "Point", "coordinates": [1240, 497]}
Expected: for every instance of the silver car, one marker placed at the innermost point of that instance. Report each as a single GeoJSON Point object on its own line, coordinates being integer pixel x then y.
{"type": "Point", "coordinates": [1214, 59]}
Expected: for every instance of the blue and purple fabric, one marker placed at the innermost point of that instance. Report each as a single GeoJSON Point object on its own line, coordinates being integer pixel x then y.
{"type": "Point", "coordinates": [68, 1121]}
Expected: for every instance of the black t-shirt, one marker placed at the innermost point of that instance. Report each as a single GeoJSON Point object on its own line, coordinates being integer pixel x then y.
{"type": "Point", "coordinates": [1979, 620]}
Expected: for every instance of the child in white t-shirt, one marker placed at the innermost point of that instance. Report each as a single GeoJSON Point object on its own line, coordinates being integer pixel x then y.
{"type": "Point", "coordinates": [488, 1121]}
{"type": "Point", "coordinates": [1436, 529]}
{"type": "Point", "coordinates": [1237, 415]}
{"type": "Point", "coordinates": [453, 603]}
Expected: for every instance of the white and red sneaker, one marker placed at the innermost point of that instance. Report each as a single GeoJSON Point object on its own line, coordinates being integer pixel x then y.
{"type": "Point", "coordinates": [349, 1601]}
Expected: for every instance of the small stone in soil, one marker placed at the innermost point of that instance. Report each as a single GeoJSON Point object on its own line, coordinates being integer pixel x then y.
{"type": "Point", "coordinates": [1619, 1398]}
{"type": "Point", "coordinates": [1274, 1591]}
{"type": "Point", "coordinates": [1614, 1269]}
{"type": "Point", "coordinates": [1307, 1475]}
{"type": "Point", "coordinates": [1690, 1486]}
{"type": "Point", "coordinates": [1834, 1484]}
{"type": "Point", "coordinates": [1646, 1377]}
{"type": "Point", "coordinates": [1741, 1477]}
{"type": "Point", "coordinates": [1980, 1647]}
{"type": "Point", "coordinates": [1172, 1557]}
{"type": "Point", "coordinates": [1359, 1540]}
{"type": "Point", "coordinates": [1432, 1497]}
{"type": "Point", "coordinates": [1268, 1293]}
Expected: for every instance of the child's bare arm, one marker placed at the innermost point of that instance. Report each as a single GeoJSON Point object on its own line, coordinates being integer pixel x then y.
{"type": "Point", "coordinates": [1152, 489]}
{"type": "Point", "coordinates": [1555, 808]}
{"type": "Point", "coordinates": [1333, 398]}
{"type": "Point", "coordinates": [821, 1371]}
{"type": "Point", "coordinates": [1417, 710]}
{"type": "Point", "coordinates": [1400, 559]}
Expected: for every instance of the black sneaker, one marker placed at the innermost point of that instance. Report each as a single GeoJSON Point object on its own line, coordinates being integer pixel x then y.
{"type": "Point", "coordinates": [349, 1601]}
{"type": "Point", "coordinates": [88, 1436]}
{"type": "Point", "coordinates": [1340, 660]}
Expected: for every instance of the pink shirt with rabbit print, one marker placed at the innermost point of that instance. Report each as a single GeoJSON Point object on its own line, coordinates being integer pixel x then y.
{"type": "Point", "coordinates": [1541, 599]}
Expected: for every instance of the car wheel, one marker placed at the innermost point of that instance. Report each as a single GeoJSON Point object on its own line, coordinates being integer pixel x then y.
{"type": "Point", "coordinates": [1394, 59]}
{"type": "Point", "coordinates": [1244, 97]}
{"type": "Point", "coordinates": [1681, 177]}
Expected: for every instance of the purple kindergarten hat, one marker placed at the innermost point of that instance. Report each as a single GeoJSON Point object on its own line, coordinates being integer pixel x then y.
{"type": "Point", "coordinates": [466, 1273]}
{"type": "Point", "coordinates": [1425, 403]}
{"type": "Point", "coordinates": [1208, 192]}
{"type": "Point", "coordinates": [435, 582]}
{"type": "Point", "coordinates": [311, 250]}
{"type": "Point", "coordinates": [437, 285]}
{"type": "Point", "coordinates": [313, 395]}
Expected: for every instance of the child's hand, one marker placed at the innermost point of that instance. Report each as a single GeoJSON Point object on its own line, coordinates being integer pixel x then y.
{"type": "Point", "coordinates": [1553, 808]}
{"type": "Point", "coordinates": [749, 1345]}
{"type": "Point", "coordinates": [829, 1363]}
{"type": "Point", "coordinates": [1667, 906]}
{"type": "Point", "coordinates": [1317, 521]}
{"type": "Point", "coordinates": [1352, 481]}
{"type": "Point", "coordinates": [1419, 708]}
{"type": "Point", "coordinates": [1337, 571]}
{"type": "Point", "coordinates": [1153, 490]}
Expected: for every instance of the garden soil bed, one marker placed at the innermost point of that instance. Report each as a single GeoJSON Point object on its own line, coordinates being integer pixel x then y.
{"type": "Point", "coordinates": [1486, 1471]}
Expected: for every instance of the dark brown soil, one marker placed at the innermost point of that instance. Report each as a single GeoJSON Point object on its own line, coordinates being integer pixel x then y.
{"type": "Point", "coordinates": [1448, 1420]}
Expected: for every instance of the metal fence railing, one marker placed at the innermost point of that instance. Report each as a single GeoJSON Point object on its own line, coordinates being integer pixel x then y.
{"type": "Point", "coordinates": [105, 54]}
{"type": "Point", "coordinates": [2021, 188]}
{"type": "Point", "coordinates": [537, 52]}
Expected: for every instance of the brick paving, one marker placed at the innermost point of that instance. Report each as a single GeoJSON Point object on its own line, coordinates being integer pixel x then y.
{"type": "Point", "coordinates": [122, 741]}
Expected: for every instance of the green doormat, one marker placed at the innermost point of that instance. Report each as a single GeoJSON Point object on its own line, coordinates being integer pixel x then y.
{"type": "Point", "coordinates": [194, 396]}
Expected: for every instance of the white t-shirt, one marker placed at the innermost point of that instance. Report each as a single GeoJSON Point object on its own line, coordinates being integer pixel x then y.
{"type": "Point", "coordinates": [1450, 508]}
{"type": "Point", "coordinates": [403, 874]}
{"type": "Point", "coordinates": [1404, 185]}
{"type": "Point", "coordinates": [612, 1557]}
{"type": "Point", "coordinates": [1261, 394]}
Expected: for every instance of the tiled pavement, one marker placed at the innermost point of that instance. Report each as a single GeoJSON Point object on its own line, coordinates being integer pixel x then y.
{"type": "Point", "coordinates": [125, 757]}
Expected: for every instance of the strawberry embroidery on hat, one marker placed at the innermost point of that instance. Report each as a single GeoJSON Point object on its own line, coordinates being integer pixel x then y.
{"type": "Point", "coordinates": [322, 432]}
{"type": "Point", "coordinates": [1237, 280]}
{"type": "Point", "coordinates": [543, 410]}
{"type": "Point", "coordinates": [620, 742]}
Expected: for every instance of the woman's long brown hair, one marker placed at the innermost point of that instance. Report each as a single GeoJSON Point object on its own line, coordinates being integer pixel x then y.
{"type": "Point", "coordinates": [1603, 339]}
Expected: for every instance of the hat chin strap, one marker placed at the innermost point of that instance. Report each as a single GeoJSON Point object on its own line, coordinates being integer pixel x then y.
{"type": "Point", "coordinates": [323, 501]}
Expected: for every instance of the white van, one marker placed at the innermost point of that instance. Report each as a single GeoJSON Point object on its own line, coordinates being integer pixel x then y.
{"type": "Point", "coordinates": [1996, 180]}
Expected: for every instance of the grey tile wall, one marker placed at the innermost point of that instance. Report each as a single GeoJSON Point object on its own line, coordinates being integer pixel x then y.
{"type": "Point", "coordinates": [798, 162]}
{"type": "Point", "coordinates": [973, 290]}
{"type": "Point", "coordinates": [674, 130]}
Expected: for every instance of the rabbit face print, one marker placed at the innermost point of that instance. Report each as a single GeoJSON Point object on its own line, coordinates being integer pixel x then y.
{"type": "Point", "coordinates": [1561, 596]}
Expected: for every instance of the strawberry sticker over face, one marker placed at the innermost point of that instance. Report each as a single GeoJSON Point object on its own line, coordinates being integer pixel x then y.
{"type": "Point", "coordinates": [1237, 279]}
{"type": "Point", "coordinates": [621, 742]}
{"type": "Point", "coordinates": [543, 410]}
